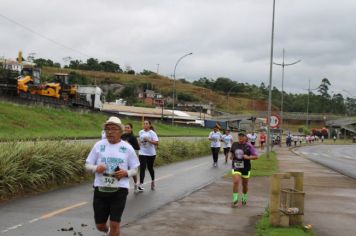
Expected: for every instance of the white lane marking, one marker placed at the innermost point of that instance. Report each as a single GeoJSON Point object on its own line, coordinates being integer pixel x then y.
{"type": "Point", "coordinates": [324, 154]}
{"type": "Point", "coordinates": [11, 228]}
{"type": "Point", "coordinates": [33, 220]}
{"type": "Point", "coordinates": [348, 157]}
{"type": "Point", "coordinates": [45, 216]}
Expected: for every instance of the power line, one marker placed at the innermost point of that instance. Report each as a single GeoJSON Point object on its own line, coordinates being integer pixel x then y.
{"type": "Point", "coordinates": [43, 36]}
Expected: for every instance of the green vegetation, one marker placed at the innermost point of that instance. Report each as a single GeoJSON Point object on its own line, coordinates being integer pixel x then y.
{"type": "Point", "coordinates": [263, 228]}
{"type": "Point", "coordinates": [18, 122]}
{"type": "Point", "coordinates": [263, 166]}
{"type": "Point", "coordinates": [36, 166]}
{"type": "Point", "coordinates": [176, 150]}
{"type": "Point", "coordinates": [30, 167]}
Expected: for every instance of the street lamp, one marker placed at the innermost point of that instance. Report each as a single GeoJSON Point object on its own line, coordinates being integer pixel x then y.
{"type": "Point", "coordinates": [174, 82]}
{"type": "Point", "coordinates": [283, 65]}
{"type": "Point", "coordinates": [270, 87]}
{"type": "Point", "coordinates": [307, 122]}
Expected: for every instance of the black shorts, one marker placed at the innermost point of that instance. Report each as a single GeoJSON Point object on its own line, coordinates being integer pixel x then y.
{"type": "Point", "coordinates": [226, 150]}
{"type": "Point", "coordinates": [109, 204]}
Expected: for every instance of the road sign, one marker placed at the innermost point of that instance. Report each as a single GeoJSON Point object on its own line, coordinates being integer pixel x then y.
{"type": "Point", "coordinates": [274, 122]}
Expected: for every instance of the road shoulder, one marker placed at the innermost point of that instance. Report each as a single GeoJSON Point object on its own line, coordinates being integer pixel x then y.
{"type": "Point", "coordinates": [206, 212]}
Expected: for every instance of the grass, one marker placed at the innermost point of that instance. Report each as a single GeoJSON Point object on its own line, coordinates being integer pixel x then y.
{"type": "Point", "coordinates": [19, 122]}
{"type": "Point", "coordinates": [263, 228]}
{"type": "Point", "coordinates": [30, 167]}
{"type": "Point", "coordinates": [263, 166]}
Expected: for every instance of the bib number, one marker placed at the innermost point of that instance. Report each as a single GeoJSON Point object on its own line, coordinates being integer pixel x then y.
{"type": "Point", "coordinates": [238, 165]}
{"type": "Point", "coordinates": [109, 181]}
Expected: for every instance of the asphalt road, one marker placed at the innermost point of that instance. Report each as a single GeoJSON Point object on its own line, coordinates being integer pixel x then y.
{"type": "Point", "coordinates": [341, 158]}
{"type": "Point", "coordinates": [54, 212]}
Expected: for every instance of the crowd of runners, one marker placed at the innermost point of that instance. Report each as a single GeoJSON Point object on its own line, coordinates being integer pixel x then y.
{"type": "Point", "coordinates": [120, 155]}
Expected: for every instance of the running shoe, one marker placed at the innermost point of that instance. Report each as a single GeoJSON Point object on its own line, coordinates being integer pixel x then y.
{"type": "Point", "coordinates": [244, 200]}
{"type": "Point", "coordinates": [140, 188]}
{"type": "Point", "coordinates": [135, 188]}
{"type": "Point", "coordinates": [153, 185]}
{"type": "Point", "coordinates": [234, 204]}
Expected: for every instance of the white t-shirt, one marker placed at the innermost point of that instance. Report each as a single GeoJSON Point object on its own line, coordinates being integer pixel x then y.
{"type": "Point", "coordinates": [227, 140]}
{"type": "Point", "coordinates": [215, 138]}
{"type": "Point", "coordinates": [112, 155]}
{"type": "Point", "coordinates": [252, 137]}
{"type": "Point", "coordinates": [146, 148]}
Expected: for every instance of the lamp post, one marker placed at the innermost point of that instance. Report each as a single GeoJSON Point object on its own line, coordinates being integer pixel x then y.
{"type": "Point", "coordinates": [307, 122]}
{"type": "Point", "coordinates": [174, 83]}
{"type": "Point", "coordinates": [270, 87]}
{"type": "Point", "coordinates": [284, 65]}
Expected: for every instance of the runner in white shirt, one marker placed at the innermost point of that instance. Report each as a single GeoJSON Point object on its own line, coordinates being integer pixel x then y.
{"type": "Point", "coordinates": [215, 137]}
{"type": "Point", "coordinates": [227, 139]}
{"type": "Point", "coordinates": [148, 141]}
{"type": "Point", "coordinates": [252, 138]}
{"type": "Point", "coordinates": [113, 161]}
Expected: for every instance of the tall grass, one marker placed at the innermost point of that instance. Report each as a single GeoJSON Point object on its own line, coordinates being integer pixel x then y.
{"type": "Point", "coordinates": [36, 166]}
{"type": "Point", "coordinates": [176, 150]}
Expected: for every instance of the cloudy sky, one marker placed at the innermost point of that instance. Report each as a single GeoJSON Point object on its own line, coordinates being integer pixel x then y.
{"type": "Point", "coordinates": [228, 38]}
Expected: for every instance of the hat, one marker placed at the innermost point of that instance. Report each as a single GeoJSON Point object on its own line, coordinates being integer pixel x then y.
{"type": "Point", "coordinates": [114, 120]}
{"type": "Point", "coordinates": [242, 133]}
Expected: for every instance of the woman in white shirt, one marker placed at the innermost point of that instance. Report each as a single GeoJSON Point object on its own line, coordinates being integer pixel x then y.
{"type": "Point", "coordinates": [227, 139]}
{"type": "Point", "coordinates": [148, 141]}
{"type": "Point", "coordinates": [215, 137]}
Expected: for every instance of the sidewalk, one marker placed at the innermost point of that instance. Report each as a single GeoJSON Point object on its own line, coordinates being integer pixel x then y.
{"type": "Point", "coordinates": [330, 205]}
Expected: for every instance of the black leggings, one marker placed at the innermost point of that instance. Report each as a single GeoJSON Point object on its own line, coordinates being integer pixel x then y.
{"type": "Point", "coordinates": [215, 152]}
{"type": "Point", "coordinates": [146, 161]}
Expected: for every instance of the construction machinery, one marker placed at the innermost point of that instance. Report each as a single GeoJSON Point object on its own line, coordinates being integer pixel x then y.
{"type": "Point", "coordinates": [27, 85]}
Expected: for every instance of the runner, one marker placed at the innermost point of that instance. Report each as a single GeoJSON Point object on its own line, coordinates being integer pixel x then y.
{"type": "Point", "coordinates": [241, 154]}
{"type": "Point", "coordinates": [215, 137]}
{"type": "Point", "coordinates": [262, 140]}
{"type": "Point", "coordinates": [227, 139]}
{"type": "Point", "coordinates": [148, 141]}
{"type": "Point", "coordinates": [131, 139]}
{"type": "Point", "coordinates": [252, 138]}
{"type": "Point", "coordinates": [113, 161]}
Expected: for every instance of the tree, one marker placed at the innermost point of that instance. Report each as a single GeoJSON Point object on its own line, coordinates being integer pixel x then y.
{"type": "Point", "coordinates": [323, 90]}
{"type": "Point", "coordinates": [109, 66]}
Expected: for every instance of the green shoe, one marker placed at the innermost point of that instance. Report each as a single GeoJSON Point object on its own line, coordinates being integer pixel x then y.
{"type": "Point", "coordinates": [234, 204]}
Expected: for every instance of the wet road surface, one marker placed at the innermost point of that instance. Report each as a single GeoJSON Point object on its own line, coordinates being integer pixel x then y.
{"type": "Point", "coordinates": [69, 211]}
{"type": "Point", "coordinates": [341, 158]}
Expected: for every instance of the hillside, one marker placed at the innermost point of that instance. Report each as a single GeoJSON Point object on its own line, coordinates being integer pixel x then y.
{"type": "Point", "coordinates": [163, 84]}
{"type": "Point", "coordinates": [21, 122]}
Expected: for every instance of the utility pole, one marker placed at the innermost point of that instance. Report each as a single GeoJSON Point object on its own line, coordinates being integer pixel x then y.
{"type": "Point", "coordinates": [270, 87]}
{"type": "Point", "coordinates": [283, 65]}
{"type": "Point", "coordinates": [157, 69]}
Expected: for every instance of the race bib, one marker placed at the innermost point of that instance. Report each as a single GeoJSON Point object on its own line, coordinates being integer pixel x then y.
{"type": "Point", "coordinates": [109, 181]}
{"type": "Point", "coordinates": [238, 165]}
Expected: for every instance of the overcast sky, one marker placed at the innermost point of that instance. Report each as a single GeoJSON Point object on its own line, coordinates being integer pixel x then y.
{"type": "Point", "coordinates": [228, 38]}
